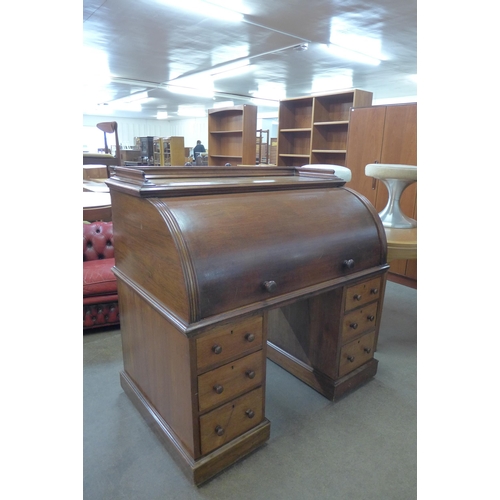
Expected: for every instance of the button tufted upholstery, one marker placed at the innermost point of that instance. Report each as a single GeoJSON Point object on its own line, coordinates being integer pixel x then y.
{"type": "Point", "coordinates": [100, 296]}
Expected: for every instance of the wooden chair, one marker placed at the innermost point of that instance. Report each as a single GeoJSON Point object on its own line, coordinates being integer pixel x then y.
{"type": "Point", "coordinates": [105, 158]}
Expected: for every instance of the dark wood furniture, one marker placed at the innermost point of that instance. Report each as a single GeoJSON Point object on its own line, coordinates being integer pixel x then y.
{"type": "Point", "coordinates": [218, 268]}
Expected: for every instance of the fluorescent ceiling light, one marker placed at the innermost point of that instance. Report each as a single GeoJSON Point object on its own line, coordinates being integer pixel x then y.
{"type": "Point", "coordinates": [231, 69]}
{"type": "Point", "coordinates": [208, 93]}
{"type": "Point", "coordinates": [161, 115]}
{"type": "Point", "coordinates": [269, 91]}
{"type": "Point", "coordinates": [206, 9]}
{"type": "Point", "coordinates": [331, 82]}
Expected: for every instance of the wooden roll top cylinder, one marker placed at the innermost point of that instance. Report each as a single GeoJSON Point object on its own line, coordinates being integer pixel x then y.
{"type": "Point", "coordinates": [204, 255]}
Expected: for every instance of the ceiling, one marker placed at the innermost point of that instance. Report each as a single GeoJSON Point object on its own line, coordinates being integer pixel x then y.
{"type": "Point", "coordinates": [139, 54]}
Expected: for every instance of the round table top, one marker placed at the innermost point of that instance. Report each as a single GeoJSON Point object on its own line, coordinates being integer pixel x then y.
{"type": "Point", "coordinates": [401, 243]}
{"type": "Point", "coordinates": [91, 199]}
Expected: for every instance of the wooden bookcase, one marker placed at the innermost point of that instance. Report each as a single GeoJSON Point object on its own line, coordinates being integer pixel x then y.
{"type": "Point", "coordinates": [232, 135]}
{"type": "Point", "coordinates": [314, 129]}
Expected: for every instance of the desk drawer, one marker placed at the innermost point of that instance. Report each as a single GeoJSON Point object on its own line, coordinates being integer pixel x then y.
{"type": "Point", "coordinates": [230, 420]}
{"type": "Point", "coordinates": [229, 341]}
{"type": "Point", "coordinates": [356, 353]}
{"type": "Point", "coordinates": [362, 293]}
{"type": "Point", "coordinates": [223, 383]}
{"type": "Point", "coordinates": [359, 321]}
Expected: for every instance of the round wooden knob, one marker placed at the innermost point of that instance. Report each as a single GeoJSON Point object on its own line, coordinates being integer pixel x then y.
{"type": "Point", "coordinates": [367, 350]}
{"type": "Point", "coordinates": [374, 291]}
{"type": "Point", "coordinates": [357, 297]}
{"type": "Point", "coordinates": [217, 349]}
{"type": "Point", "coordinates": [348, 264]}
{"type": "Point", "coordinates": [371, 318]}
{"type": "Point", "coordinates": [270, 286]}
{"type": "Point", "coordinates": [219, 431]}
{"type": "Point", "coordinates": [219, 389]}
{"type": "Point", "coordinates": [250, 337]}
{"type": "Point", "coordinates": [350, 358]}
{"type": "Point", "coordinates": [250, 374]}
{"type": "Point", "coordinates": [354, 326]}
{"type": "Point", "coordinates": [250, 413]}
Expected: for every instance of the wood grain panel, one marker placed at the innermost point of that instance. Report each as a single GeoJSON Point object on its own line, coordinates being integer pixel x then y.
{"type": "Point", "coordinates": [158, 359]}
{"type": "Point", "coordinates": [363, 147]}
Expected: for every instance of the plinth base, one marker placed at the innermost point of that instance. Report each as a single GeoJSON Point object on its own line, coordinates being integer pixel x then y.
{"type": "Point", "coordinates": [203, 469]}
{"type": "Point", "coordinates": [331, 389]}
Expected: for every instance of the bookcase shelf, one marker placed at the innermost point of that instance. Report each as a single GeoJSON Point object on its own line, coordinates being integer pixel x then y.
{"type": "Point", "coordinates": [314, 129]}
{"type": "Point", "coordinates": [231, 135]}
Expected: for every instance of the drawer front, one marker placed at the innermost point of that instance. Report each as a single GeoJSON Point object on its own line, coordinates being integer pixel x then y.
{"type": "Point", "coordinates": [226, 342]}
{"type": "Point", "coordinates": [223, 383]}
{"type": "Point", "coordinates": [359, 321]}
{"type": "Point", "coordinates": [362, 293]}
{"type": "Point", "coordinates": [356, 353]}
{"type": "Point", "coordinates": [230, 420]}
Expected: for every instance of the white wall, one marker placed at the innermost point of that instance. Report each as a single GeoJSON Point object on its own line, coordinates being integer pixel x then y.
{"type": "Point", "coordinates": [191, 129]}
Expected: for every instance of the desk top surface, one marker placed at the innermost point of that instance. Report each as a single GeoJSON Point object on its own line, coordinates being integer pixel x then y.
{"type": "Point", "coordinates": [186, 181]}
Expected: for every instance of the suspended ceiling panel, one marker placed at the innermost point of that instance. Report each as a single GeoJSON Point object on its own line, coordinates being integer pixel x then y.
{"type": "Point", "coordinates": [146, 56]}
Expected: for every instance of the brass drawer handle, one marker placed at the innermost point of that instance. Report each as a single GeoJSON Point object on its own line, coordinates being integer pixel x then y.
{"type": "Point", "coordinates": [357, 297]}
{"type": "Point", "coordinates": [350, 358]}
{"type": "Point", "coordinates": [219, 431]}
{"type": "Point", "coordinates": [219, 389]}
{"type": "Point", "coordinates": [354, 326]}
{"type": "Point", "coordinates": [367, 350]}
{"type": "Point", "coordinates": [270, 286]}
{"type": "Point", "coordinates": [217, 349]}
{"type": "Point", "coordinates": [370, 318]}
{"type": "Point", "coordinates": [249, 337]}
{"type": "Point", "coordinates": [250, 413]}
{"type": "Point", "coordinates": [349, 263]}
{"type": "Point", "coordinates": [250, 374]}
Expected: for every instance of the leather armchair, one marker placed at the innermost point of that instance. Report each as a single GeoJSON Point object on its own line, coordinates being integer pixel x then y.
{"type": "Point", "coordinates": [100, 294]}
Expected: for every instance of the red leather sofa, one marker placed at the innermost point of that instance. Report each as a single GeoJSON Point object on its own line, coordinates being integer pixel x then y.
{"type": "Point", "coordinates": [100, 295]}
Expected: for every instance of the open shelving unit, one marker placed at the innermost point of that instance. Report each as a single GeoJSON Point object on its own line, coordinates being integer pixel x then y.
{"type": "Point", "coordinates": [314, 129]}
{"type": "Point", "coordinates": [232, 135]}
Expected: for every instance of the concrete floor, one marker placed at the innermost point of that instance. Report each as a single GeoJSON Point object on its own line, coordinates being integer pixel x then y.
{"type": "Point", "coordinates": [363, 446]}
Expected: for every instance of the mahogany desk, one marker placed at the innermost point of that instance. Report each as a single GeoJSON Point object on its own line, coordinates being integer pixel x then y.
{"type": "Point", "coordinates": [220, 267]}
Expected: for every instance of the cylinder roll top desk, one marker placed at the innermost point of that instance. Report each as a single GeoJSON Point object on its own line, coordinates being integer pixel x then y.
{"type": "Point", "coordinates": [220, 268]}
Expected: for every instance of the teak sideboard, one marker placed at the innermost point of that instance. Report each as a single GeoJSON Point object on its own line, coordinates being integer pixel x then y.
{"type": "Point", "coordinates": [220, 268]}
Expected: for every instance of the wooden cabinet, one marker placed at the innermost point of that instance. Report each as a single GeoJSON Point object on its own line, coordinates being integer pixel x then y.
{"type": "Point", "coordinates": [169, 151]}
{"type": "Point", "coordinates": [314, 129]}
{"type": "Point", "coordinates": [384, 134]}
{"type": "Point", "coordinates": [328, 341]}
{"type": "Point", "coordinates": [202, 304]}
{"type": "Point", "coordinates": [232, 135]}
